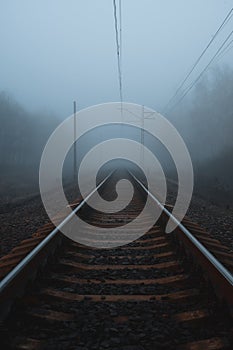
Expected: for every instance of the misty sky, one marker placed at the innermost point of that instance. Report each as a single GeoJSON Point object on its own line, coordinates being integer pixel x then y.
{"type": "Point", "coordinates": [55, 51]}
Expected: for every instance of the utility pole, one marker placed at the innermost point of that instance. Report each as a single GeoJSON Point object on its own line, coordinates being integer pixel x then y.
{"type": "Point", "coordinates": [142, 117]}
{"type": "Point", "coordinates": [75, 154]}
{"type": "Point", "coordinates": [142, 136]}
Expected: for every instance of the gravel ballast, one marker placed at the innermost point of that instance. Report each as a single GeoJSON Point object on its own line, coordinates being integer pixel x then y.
{"type": "Point", "coordinates": [20, 217]}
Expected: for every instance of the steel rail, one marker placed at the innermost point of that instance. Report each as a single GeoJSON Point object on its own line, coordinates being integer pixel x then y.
{"type": "Point", "coordinates": [24, 262]}
{"type": "Point", "coordinates": [209, 256]}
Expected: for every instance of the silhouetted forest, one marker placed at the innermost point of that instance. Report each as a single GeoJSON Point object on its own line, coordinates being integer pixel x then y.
{"type": "Point", "coordinates": [23, 136]}
{"type": "Point", "coordinates": [205, 120]}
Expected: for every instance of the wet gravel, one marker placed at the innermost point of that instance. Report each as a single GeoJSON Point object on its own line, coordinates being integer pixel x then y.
{"type": "Point", "coordinates": [146, 258]}
{"type": "Point", "coordinates": [19, 219]}
{"type": "Point", "coordinates": [21, 216]}
{"type": "Point", "coordinates": [216, 219]}
{"type": "Point", "coordinates": [114, 325]}
{"type": "Point", "coordinates": [152, 328]}
{"type": "Point", "coordinates": [108, 289]}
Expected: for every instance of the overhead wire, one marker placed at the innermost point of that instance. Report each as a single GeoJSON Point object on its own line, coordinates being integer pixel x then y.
{"type": "Point", "coordinates": [225, 50]}
{"type": "Point", "coordinates": [118, 45]}
{"type": "Point", "coordinates": [202, 72]}
{"type": "Point", "coordinates": [120, 16]}
{"type": "Point", "coordinates": [225, 21]}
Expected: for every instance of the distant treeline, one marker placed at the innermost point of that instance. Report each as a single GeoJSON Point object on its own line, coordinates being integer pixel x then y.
{"type": "Point", "coordinates": [205, 120]}
{"type": "Point", "coordinates": [22, 134]}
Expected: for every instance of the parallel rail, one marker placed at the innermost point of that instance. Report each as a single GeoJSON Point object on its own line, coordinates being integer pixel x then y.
{"type": "Point", "coordinates": [114, 272]}
{"type": "Point", "coordinates": [12, 285]}
{"type": "Point", "coordinates": [219, 275]}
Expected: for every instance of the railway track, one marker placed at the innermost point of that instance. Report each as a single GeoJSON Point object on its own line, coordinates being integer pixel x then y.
{"type": "Point", "coordinates": [159, 292]}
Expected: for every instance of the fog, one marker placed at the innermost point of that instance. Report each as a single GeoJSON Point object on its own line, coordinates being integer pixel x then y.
{"type": "Point", "coordinates": [205, 120]}
{"type": "Point", "coordinates": [55, 52]}
{"type": "Point", "coordinates": [22, 138]}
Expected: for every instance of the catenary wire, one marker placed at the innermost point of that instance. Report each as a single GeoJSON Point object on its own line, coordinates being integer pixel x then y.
{"type": "Point", "coordinates": [203, 71]}
{"type": "Point", "coordinates": [225, 21]}
{"type": "Point", "coordinates": [118, 49]}
{"type": "Point", "coordinates": [225, 51]}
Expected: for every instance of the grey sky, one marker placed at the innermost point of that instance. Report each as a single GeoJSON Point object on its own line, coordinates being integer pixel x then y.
{"type": "Point", "coordinates": [55, 51]}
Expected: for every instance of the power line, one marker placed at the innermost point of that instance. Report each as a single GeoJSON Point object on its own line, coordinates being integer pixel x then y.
{"type": "Point", "coordinates": [203, 71]}
{"type": "Point", "coordinates": [120, 15]}
{"type": "Point", "coordinates": [226, 20]}
{"type": "Point", "coordinates": [225, 50]}
{"type": "Point", "coordinates": [118, 46]}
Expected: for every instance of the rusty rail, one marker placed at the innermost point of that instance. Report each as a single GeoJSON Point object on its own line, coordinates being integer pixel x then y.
{"type": "Point", "coordinates": [27, 268]}
{"type": "Point", "coordinates": [221, 278]}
